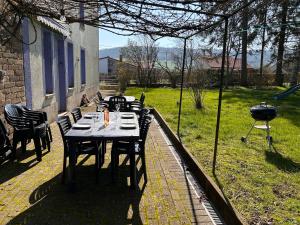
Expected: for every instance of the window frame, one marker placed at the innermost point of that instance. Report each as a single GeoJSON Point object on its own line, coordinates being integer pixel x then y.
{"type": "Point", "coordinates": [83, 66]}
{"type": "Point", "coordinates": [70, 65]}
{"type": "Point", "coordinates": [81, 14]}
{"type": "Point", "coordinates": [48, 61]}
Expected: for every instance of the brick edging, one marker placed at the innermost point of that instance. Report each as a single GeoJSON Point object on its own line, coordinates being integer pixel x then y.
{"type": "Point", "coordinates": [212, 191]}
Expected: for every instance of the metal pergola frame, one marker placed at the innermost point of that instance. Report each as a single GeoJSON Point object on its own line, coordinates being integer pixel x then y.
{"type": "Point", "coordinates": [196, 30]}
{"type": "Point", "coordinates": [224, 18]}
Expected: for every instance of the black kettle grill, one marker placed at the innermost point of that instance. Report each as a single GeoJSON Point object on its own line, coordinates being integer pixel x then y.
{"type": "Point", "coordinates": [262, 112]}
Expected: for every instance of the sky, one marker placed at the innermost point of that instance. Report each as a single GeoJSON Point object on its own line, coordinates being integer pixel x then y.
{"type": "Point", "coordinates": [111, 40]}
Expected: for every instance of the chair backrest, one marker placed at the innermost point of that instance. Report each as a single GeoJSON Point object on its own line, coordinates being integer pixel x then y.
{"type": "Point", "coordinates": [142, 116]}
{"type": "Point", "coordinates": [99, 96]}
{"type": "Point", "coordinates": [118, 100]}
{"type": "Point", "coordinates": [76, 113]}
{"type": "Point", "coordinates": [144, 130]}
{"type": "Point", "coordinates": [11, 113]}
{"type": "Point", "coordinates": [64, 124]}
{"type": "Point", "coordinates": [13, 110]}
{"type": "Point", "coordinates": [4, 140]}
{"type": "Point", "coordinates": [142, 98]}
{"type": "Point", "coordinates": [23, 107]}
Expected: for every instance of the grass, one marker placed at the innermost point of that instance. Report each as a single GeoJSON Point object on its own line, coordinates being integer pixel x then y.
{"type": "Point", "coordinates": [263, 185]}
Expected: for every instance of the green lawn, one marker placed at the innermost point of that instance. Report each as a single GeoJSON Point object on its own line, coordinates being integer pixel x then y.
{"type": "Point", "coordinates": [263, 185]}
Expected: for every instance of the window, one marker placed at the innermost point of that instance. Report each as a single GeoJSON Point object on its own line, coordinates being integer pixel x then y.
{"type": "Point", "coordinates": [81, 13]}
{"type": "Point", "coordinates": [82, 66]}
{"type": "Point", "coordinates": [70, 65]}
{"type": "Point", "coordinates": [48, 61]}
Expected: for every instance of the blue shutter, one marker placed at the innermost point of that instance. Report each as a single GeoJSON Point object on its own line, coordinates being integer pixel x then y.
{"type": "Point", "coordinates": [70, 65]}
{"type": "Point", "coordinates": [82, 66]}
{"type": "Point", "coordinates": [81, 10]}
{"type": "Point", "coordinates": [48, 61]}
{"type": "Point", "coordinates": [81, 13]}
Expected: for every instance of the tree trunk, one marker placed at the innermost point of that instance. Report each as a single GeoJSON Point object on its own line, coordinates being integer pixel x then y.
{"type": "Point", "coordinates": [263, 43]}
{"type": "Point", "coordinates": [279, 75]}
{"type": "Point", "coordinates": [244, 75]}
{"type": "Point", "coordinates": [294, 80]}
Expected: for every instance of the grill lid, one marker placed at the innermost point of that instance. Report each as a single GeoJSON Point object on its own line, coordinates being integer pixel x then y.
{"type": "Point", "coordinates": [263, 111]}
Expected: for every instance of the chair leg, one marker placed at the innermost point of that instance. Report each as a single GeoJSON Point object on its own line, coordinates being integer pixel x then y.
{"type": "Point", "coordinates": [103, 151]}
{"type": "Point", "coordinates": [133, 181]}
{"type": "Point", "coordinates": [64, 170]}
{"type": "Point", "coordinates": [38, 150]}
{"type": "Point", "coordinates": [23, 145]}
{"type": "Point", "coordinates": [96, 166]}
{"type": "Point", "coordinates": [48, 142]}
{"type": "Point", "coordinates": [144, 167]}
{"type": "Point", "coordinates": [44, 145]}
{"type": "Point", "coordinates": [113, 167]}
{"type": "Point", "coordinates": [14, 148]}
{"type": "Point", "coordinates": [50, 133]}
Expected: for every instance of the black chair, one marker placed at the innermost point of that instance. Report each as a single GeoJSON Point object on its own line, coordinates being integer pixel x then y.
{"type": "Point", "coordinates": [30, 111]}
{"type": "Point", "coordinates": [89, 148]}
{"type": "Point", "coordinates": [119, 148]}
{"type": "Point", "coordinates": [100, 101]}
{"type": "Point", "coordinates": [136, 106]}
{"type": "Point", "coordinates": [118, 100]}
{"type": "Point", "coordinates": [26, 126]}
{"type": "Point", "coordinates": [76, 113]}
{"type": "Point", "coordinates": [5, 145]}
{"type": "Point", "coordinates": [143, 115]}
{"type": "Point", "coordinates": [140, 102]}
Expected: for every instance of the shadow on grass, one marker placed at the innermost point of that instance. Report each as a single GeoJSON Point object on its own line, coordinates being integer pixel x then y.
{"type": "Point", "coordinates": [288, 108]}
{"type": "Point", "coordinates": [282, 162]}
{"type": "Point", "coordinates": [11, 169]}
{"type": "Point", "coordinates": [102, 203]}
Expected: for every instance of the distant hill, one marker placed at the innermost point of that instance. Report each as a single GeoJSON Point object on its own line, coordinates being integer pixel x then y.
{"type": "Point", "coordinates": [165, 54]}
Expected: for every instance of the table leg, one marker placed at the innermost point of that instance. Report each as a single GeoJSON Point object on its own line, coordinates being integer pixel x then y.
{"type": "Point", "coordinates": [133, 182]}
{"type": "Point", "coordinates": [72, 165]}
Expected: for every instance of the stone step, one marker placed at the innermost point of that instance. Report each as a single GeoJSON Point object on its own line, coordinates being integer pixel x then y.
{"type": "Point", "coordinates": [108, 93]}
{"type": "Point", "coordinates": [109, 82]}
{"type": "Point", "coordinates": [109, 87]}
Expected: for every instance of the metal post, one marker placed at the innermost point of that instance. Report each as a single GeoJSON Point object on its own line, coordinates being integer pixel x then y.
{"type": "Point", "coordinates": [181, 87]}
{"type": "Point", "coordinates": [220, 93]}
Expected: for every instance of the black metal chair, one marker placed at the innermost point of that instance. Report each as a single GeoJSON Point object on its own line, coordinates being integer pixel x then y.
{"type": "Point", "coordinates": [136, 106]}
{"type": "Point", "coordinates": [100, 101]}
{"type": "Point", "coordinates": [143, 115]}
{"type": "Point", "coordinates": [118, 100]}
{"type": "Point", "coordinates": [89, 148]}
{"type": "Point", "coordinates": [5, 145]}
{"type": "Point", "coordinates": [140, 102]}
{"type": "Point", "coordinates": [30, 111]}
{"type": "Point", "coordinates": [119, 148]}
{"type": "Point", "coordinates": [26, 126]}
{"type": "Point", "coordinates": [76, 113]}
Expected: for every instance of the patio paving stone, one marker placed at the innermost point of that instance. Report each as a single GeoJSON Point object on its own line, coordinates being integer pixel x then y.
{"type": "Point", "coordinates": [31, 192]}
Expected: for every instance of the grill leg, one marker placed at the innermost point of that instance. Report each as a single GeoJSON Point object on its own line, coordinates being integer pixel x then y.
{"type": "Point", "coordinates": [269, 138]}
{"type": "Point", "coordinates": [244, 139]}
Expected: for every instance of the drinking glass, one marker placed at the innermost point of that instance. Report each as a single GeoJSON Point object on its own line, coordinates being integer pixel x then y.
{"type": "Point", "coordinates": [118, 107]}
{"type": "Point", "coordinates": [117, 111]}
{"type": "Point", "coordinates": [95, 119]}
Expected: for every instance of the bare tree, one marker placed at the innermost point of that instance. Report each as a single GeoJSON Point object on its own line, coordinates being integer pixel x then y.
{"type": "Point", "coordinates": [172, 73]}
{"type": "Point", "coordinates": [142, 53]}
{"type": "Point", "coordinates": [198, 83]}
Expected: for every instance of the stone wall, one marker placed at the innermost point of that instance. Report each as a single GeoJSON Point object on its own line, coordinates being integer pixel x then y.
{"type": "Point", "coordinates": [12, 88]}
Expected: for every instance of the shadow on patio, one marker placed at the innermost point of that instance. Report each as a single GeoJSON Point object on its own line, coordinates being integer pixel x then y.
{"type": "Point", "coordinates": [32, 193]}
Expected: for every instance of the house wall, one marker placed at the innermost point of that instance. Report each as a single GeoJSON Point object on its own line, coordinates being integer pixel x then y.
{"type": "Point", "coordinates": [11, 75]}
{"type": "Point", "coordinates": [89, 40]}
{"type": "Point", "coordinates": [86, 38]}
{"type": "Point", "coordinates": [103, 66]}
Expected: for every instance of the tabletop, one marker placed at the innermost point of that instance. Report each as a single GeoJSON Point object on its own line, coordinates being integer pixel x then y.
{"type": "Point", "coordinates": [114, 130]}
{"type": "Point", "coordinates": [128, 98]}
